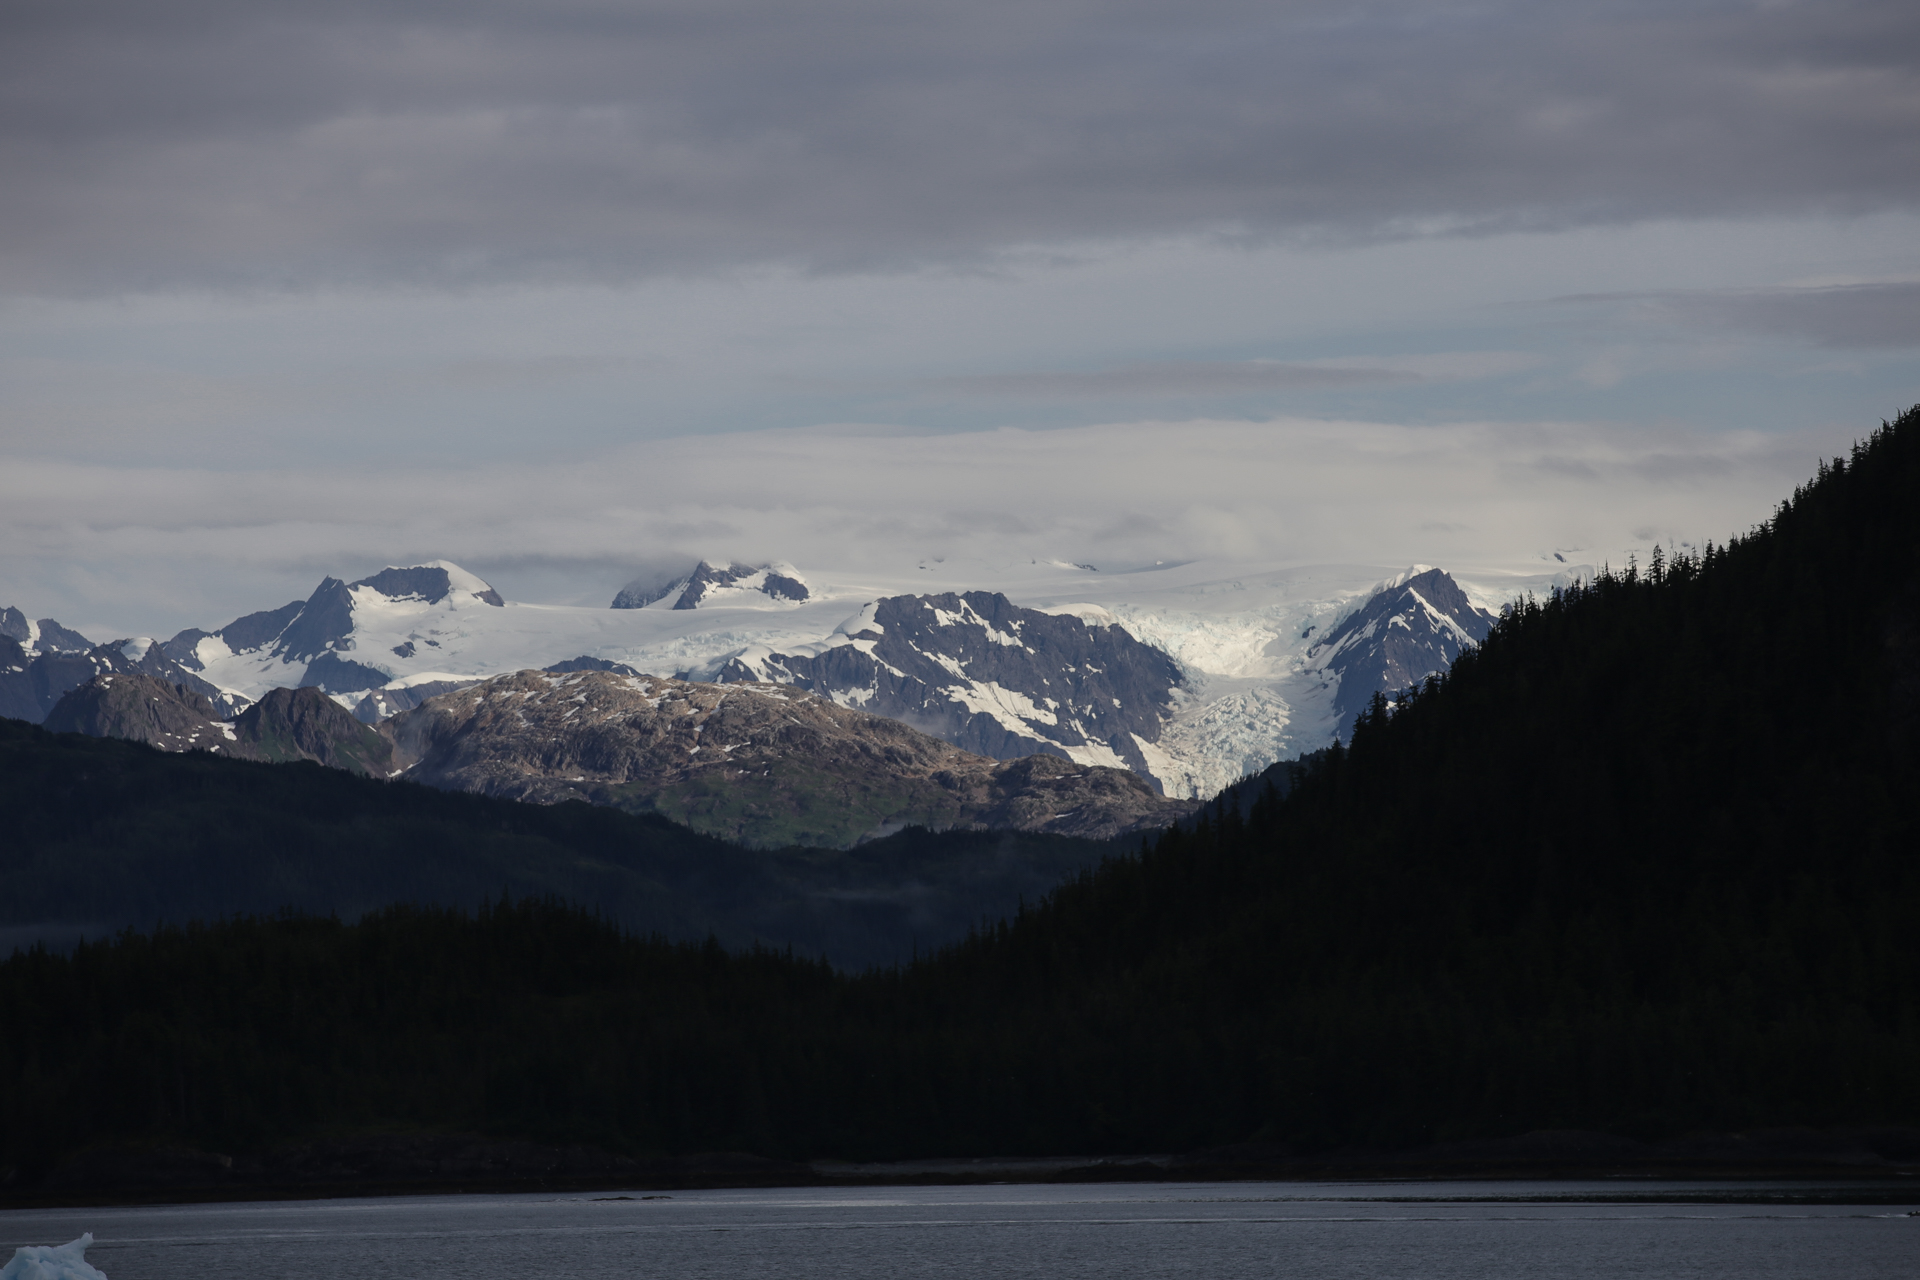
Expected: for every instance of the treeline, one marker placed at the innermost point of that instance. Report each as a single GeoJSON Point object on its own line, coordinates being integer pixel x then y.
{"type": "Point", "coordinates": [1643, 862]}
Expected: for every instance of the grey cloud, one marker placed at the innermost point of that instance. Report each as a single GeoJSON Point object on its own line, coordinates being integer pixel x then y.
{"type": "Point", "coordinates": [103, 542]}
{"type": "Point", "coordinates": [1566, 468]}
{"type": "Point", "coordinates": [1156, 378]}
{"type": "Point", "coordinates": [1166, 378]}
{"type": "Point", "coordinates": [1846, 316]}
{"type": "Point", "coordinates": [280, 145]}
{"type": "Point", "coordinates": [1855, 316]}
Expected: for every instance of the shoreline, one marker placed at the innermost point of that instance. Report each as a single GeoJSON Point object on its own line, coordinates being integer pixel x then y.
{"type": "Point", "coordinates": [1844, 1166]}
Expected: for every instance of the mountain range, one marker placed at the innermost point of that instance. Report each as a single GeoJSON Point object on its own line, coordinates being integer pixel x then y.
{"type": "Point", "coordinates": [106, 835]}
{"type": "Point", "coordinates": [36, 675]}
{"type": "Point", "coordinates": [765, 765]}
{"type": "Point", "coordinates": [1188, 679]}
{"type": "Point", "coordinates": [283, 726]}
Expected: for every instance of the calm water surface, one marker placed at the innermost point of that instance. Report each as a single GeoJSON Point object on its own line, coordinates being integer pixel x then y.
{"type": "Point", "coordinates": [1482, 1231]}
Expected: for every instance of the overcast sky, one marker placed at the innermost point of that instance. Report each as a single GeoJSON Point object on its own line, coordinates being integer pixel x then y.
{"type": "Point", "coordinates": [555, 289]}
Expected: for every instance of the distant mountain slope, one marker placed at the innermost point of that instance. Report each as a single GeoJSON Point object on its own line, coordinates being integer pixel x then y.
{"type": "Point", "coordinates": [766, 764]}
{"type": "Point", "coordinates": [103, 835]}
{"type": "Point", "coordinates": [284, 726]}
{"type": "Point", "coordinates": [990, 677]}
{"type": "Point", "coordinates": [1415, 626]}
{"type": "Point", "coordinates": [32, 684]}
{"type": "Point", "coordinates": [1189, 681]}
{"type": "Point", "coordinates": [705, 584]}
{"type": "Point", "coordinates": [303, 643]}
{"type": "Point", "coordinates": [303, 724]}
{"type": "Point", "coordinates": [43, 636]}
{"type": "Point", "coordinates": [140, 708]}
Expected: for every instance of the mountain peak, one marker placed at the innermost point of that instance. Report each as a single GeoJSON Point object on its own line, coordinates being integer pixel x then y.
{"type": "Point", "coordinates": [1413, 625]}
{"type": "Point", "coordinates": [42, 636]}
{"type": "Point", "coordinates": [431, 583]}
{"type": "Point", "coordinates": [707, 583]}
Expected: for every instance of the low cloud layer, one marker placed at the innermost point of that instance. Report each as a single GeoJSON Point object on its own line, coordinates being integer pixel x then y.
{"type": "Point", "coordinates": [151, 550]}
{"type": "Point", "coordinates": [268, 144]}
{"type": "Point", "coordinates": [561, 289]}
{"type": "Point", "coordinates": [1846, 317]}
{"type": "Point", "coordinates": [1856, 317]}
{"type": "Point", "coordinates": [1153, 379]}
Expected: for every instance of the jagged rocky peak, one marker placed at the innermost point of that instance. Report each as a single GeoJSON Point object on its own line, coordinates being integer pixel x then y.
{"type": "Point", "coordinates": [706, 584]}
{"type": "Point", "coordinates": [302, 630]}
{"type": "Point", "coordinates": [141, 708]}
{"type": "Point", "coordinates": [40, 636]}
{"type": "Point", "coordinates": [32, 685]}
{"type": "Point", "coordinates": [304, 724]}
{"type": "Point", "coordinates": [989, 676]}
{"type": "Point", "coordinates": [286, 725]}
{"type": "Point", "coordinates": [1413, 626]}
{"type": "Point", "coordinates": [429, 583]}
{"type": "Point", "coordinates": [656, 584]}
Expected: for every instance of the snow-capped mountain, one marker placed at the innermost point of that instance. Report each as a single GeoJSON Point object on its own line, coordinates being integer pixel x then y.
{"type": "Point", "coordinates": [42, 636]}
{"type": "Point", "coordinates": [1414, 626]}
{"type": "Point", "coordinates": [1192, 675]}
{"type": "Point", "coordinates": [32, 681]}
{"type": "Point", "coordinates": [988, 676]}
{"type": "Point", "coordinates": [706, 585]}
{"type": "Point", "coordinates": [304, 644]}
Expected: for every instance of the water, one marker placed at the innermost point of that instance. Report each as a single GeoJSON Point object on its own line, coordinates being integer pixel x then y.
{"type": "Point", "coordinates": [1481, 1231]}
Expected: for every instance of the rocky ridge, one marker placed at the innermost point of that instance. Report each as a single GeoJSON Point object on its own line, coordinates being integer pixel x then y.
{"type": "Point", "coordinates": [33, 682]}
{"type": "Point", "coordinates": [41, 636]}
{"type": "Point", "coordinates": [1191, 681]}
{"type": "Point", "coordinates": [1413, 627]}
{"type": "Point", "coordinates": [303, 643]}
{"type": "Point", "coordinates": [761, 763]}
{"type": "Point", "coordinates": [988, 676]}
{"type": "Point", "coordinates": [706, 583]}
{"type": "Point", "coordinates": [284, 726]}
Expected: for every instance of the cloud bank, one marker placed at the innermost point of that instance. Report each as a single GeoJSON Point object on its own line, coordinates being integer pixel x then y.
{"type": "Point", "coordinates": [269, 144]}
{"type": "Point", "coordinates": [189, 547]}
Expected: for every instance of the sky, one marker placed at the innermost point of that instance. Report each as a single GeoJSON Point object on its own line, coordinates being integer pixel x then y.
{"type": "Point", "coordinates": [562, 290]}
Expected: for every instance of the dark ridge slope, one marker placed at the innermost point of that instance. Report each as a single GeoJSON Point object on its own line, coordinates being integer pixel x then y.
{"type": "Point", "coordinates": [140, 709]}
{"type": "Point", "coordinates": [105, 834]}
{"type": "Point", "coordinates": [284, 726]}
{"type": "Point", "coordinates": [305, 724]}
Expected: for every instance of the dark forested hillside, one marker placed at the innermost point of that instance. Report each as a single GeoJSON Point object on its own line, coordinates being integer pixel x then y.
{"type": "Point", "coordinates": [102, 834]}
{"type": "Point", "coordinates": [1644, 862]}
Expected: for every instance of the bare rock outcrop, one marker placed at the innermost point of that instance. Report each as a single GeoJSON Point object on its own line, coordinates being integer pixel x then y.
{"type": "Point", "coordinates": [766, 764]}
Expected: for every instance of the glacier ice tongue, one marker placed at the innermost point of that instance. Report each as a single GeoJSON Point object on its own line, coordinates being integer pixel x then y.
{"type": "Point", "coordinates": [53, 1262]}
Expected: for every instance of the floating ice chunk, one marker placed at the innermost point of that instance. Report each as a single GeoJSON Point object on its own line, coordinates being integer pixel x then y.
{"type": "Point", "coordinates": [53, 1262]}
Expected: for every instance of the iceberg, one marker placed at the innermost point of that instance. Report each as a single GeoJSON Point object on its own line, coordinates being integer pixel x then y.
{"type": "Point", "coordinates": [53, 1262]}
